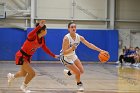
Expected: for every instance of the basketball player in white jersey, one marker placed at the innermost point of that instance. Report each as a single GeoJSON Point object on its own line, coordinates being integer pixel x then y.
{"type": "Point", "coordinates": [68, 56]}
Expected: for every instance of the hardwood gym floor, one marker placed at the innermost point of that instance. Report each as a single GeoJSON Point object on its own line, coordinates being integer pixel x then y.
{"type": "Point", "coordinates": [98, 78]}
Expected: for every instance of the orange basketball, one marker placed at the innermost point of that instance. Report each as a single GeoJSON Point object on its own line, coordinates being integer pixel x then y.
{"type": "Point", "coordinates": [103, 57]}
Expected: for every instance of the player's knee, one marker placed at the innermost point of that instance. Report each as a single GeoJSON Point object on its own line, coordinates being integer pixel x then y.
{"type": "Point", "coordinates": [82, 71]}
{"type": "Point", "coordinates": [24, 74]}
{"type": "Point", "coordinates": [32, 74]}
{"type": "Point", "coordinates": [78, 73]}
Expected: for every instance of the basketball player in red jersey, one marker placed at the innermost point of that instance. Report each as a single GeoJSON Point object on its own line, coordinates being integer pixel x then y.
{"type": "Point", "coordinates": [35, 39]}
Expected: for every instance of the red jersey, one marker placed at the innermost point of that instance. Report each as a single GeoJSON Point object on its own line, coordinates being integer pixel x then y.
{"type": "Point", "coordinates": [32, 43]}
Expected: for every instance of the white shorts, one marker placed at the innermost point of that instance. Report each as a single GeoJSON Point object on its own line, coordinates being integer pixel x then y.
{"type": "Point", "coordinates": [68, 59]}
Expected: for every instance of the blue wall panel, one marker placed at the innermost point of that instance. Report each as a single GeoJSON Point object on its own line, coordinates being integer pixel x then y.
{"type": "Point", "coordinates": [104, 39]}
{"type": "Point", "coordinates": [12, 39]}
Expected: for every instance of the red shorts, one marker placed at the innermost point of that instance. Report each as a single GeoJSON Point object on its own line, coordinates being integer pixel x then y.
{"type": "Point", "coordinates": [20, 58]}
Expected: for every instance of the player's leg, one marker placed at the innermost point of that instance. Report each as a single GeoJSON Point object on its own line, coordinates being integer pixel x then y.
{"type": "Point", "coordinates": [81, 69]}
{"type": "Point", "coordinates": [20, 73]}
{"type": "Point", "coordinates": [74, 70]}
{"type": "Point", "coordinates": [29, 76]}
{"type": "Point", "coordinates": [65, 61]}
{"type": "Point", "coordinates": [79, 65]}
{"type": "Point", "coordinates": [30, 71]}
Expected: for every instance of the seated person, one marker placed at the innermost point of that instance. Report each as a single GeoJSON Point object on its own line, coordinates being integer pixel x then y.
{"type": "Point", "coordinates": [121, 57]}
{"type": "Point", "coordinates": [137, 56]}
{"type": "Point", "coordinates": [130, 55]}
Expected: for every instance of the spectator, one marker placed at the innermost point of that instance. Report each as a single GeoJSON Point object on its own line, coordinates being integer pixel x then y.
{"type": "Point", "coordinates": [137, 57]}
{"type": "Point", "coordinates": [121, 57]}
{"type": "Point", "coordinates": [130, 55]}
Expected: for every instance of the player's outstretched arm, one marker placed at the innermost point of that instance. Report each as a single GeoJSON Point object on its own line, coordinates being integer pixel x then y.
{"type": "Point", "coordinates": [90, 45]}
{"type": "Point", "coordinates": [47, 50]}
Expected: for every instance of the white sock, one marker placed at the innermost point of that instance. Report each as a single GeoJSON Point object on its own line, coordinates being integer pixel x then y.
{"type": "Point", "coordinates": [13, 76]}
{"type": "Point", "coordinates": [24, 84]}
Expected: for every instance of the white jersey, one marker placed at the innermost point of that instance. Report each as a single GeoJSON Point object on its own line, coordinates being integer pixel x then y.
{"type": "Point", "coordinates": [75, 42]}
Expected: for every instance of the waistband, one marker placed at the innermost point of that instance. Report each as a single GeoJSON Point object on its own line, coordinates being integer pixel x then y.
{"type": "Point", "coordinates": [24, 53]}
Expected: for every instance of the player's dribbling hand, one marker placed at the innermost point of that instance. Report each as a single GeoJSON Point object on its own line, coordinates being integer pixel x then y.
{"type": "Point", "coordinates": [42, 23]}
{"type": "Point", "coordinates": [104, 51]}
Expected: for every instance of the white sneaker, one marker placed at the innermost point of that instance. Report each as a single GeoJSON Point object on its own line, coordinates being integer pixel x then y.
{"type": "Point", "coordinates": [117, 62]}
{"type": "Point", "coordinates": [137, 65]}
{"type": "Point", "coordinates": [80, 87]}
{"type": "Point", "coordinates": [10, 78]}
{"type": "Point", "coordinates": [23, 87]}
{"type": "Point", "coordinates": [66, 72]}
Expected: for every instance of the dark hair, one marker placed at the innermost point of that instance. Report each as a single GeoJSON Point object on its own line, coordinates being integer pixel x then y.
{"type": "Point", "coordinates": [43, 28]}
{"type": "Point", "coordinates": [70, 24]}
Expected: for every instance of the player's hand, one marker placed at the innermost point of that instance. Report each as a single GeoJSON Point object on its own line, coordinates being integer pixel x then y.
{"type": "Point", "coordinates": [73, 47]}
{"type": "Point", "coordinates": [57, 56]}
{"type": "Point", "coordinates": [104, 51]}
{"type": "Point", "coordinates": [42, 23]}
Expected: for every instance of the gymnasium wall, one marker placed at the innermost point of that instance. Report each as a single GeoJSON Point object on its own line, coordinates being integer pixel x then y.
{"type": "Point", "coordinates": [12, 39]}
{"type": "Point", "coordinates": [82, 9]}
{"type": "Point", "coordinates": [90, 14]}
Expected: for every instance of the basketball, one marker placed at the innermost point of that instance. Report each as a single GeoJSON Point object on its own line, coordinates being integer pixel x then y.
{"type": "Point", "coordinates": [103, 57]}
